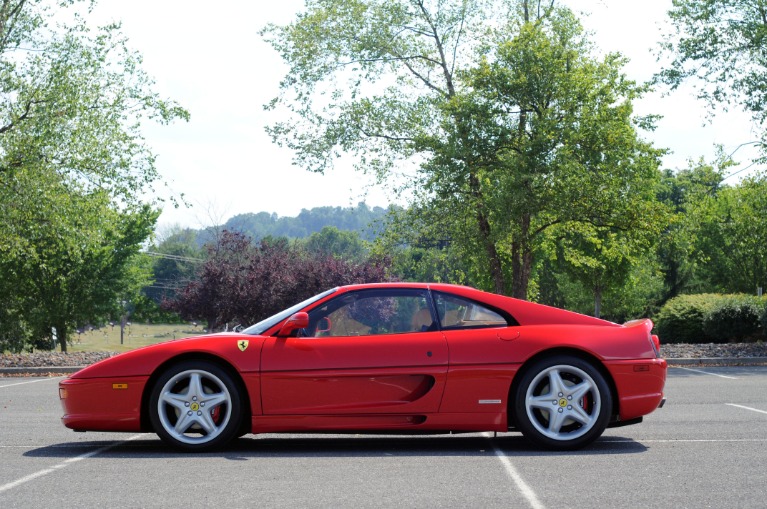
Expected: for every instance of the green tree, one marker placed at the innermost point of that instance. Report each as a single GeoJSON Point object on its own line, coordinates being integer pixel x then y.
{"type": "Point", "coordinates": [14, 331]}
{"type": "Point", "coordinates": [545, 138]}
{"type": "Point", "coordinates": [601, 259]}
{"type": "Point", "coordinates": [78, 254]}
{"type": "Point", "coordinates": [714, 241]}
{"type": "Point", "coordinates": [638, 294]}
{"type": "Point", "coordinates": [682, 191]}
{"type": "Point", "coordinates": [330, 241]}
{"type": "Point", "coordinates": [360, 219]}
{"type": "Point", "coordinates": [722, 45]}
{"type": "Point", "coordinates": [176, 259]}
{"type": "Point", "coordinates": [423, 250]}
{"type": "Point", "coordinates": [731, 235]}
{"type": "Point", "coordinates": [538, 133]}
{"type": "Point", "coordinates": [74, 168]}
{"type": "Point", "coordinates": [73, 100]}
{"type": "Point", "coordinates": [369, 77]}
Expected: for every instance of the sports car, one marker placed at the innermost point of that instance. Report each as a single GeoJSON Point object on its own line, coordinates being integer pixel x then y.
{"type": "Point", "coordinates": [382, 358]}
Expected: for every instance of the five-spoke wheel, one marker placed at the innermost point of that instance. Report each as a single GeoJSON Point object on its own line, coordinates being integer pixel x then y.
{"type": "Point", "coordinates": [562, 402]}
{"type": "Point", "coordinates": [195, 405]}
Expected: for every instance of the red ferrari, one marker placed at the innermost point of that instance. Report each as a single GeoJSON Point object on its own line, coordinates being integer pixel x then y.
{"type": "Point", "coordinates": [384, 358]}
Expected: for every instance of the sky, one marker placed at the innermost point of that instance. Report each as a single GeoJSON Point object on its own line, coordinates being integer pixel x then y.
{"type": "Point", "coordinates": [209, 57]}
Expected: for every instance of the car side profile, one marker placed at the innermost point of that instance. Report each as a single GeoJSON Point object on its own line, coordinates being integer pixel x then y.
{"type": "Point", "coordinates": [383, 358]}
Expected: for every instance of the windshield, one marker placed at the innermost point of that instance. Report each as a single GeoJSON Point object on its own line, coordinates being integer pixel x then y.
{"type": "Point", "coordinates": [264, 325]}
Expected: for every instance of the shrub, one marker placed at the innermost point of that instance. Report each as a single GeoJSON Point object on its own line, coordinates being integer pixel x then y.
{"type": "Point", "coordinates": [764, 316]}
{"type": "Point", "coordinates": [680, 320]}
{"type": "Point", "coordinates": [734, 318]}
{"type": "Point", "coordinates": [712, 318]}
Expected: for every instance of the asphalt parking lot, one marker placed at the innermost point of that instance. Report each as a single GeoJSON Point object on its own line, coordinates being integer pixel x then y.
{"type": "Point", "coordinates": [706, 448]}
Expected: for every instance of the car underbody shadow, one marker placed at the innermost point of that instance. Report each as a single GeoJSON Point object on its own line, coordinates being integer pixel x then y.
{"type": "Point", "coordinates": [352, 445]}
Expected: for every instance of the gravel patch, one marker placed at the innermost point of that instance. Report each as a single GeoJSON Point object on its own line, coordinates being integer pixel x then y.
{"type": "Point", "coordinates": [52, 359]}
{"type": "Point", "coordinates": [713, 350]}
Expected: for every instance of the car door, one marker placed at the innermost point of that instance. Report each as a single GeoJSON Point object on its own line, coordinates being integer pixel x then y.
{"type": "Point", "coordinates": [368, 351]}
{"type": "Point", "coordinates": [482, 355]}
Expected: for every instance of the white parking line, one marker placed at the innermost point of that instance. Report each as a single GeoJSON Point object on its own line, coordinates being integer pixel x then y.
{"type": "Point", "coordinates": [685, 440]}
{"type": "Point", "coordinates": [65, 463]}
{"type": "Point", "coordinates": [31, 382]}
{"type": "Point", "coordinates": [708, 373]}
{"type": "Point", "coordinates": [747, 408]}
{"type": "Point", "coordinates": [523, 487]}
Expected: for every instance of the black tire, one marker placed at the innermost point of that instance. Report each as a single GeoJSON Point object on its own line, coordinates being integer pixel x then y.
{"type": "Point", "coordinates": [196, 406]}
{"type": "Point", "coordinates": [580, 403]}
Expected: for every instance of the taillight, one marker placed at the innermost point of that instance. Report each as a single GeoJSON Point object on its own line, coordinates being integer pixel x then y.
{"type": "Point", "coordinates": [656, 345]}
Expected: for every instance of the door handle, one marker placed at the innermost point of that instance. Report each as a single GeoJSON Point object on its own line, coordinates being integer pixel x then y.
{"type": "Point", "coordinates": [508, 335]}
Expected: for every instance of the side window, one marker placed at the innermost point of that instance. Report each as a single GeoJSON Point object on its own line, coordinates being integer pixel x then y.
{"type": "Point", "coordinates": [372, 312]}
{"type": "Point", "coordinates": [456, 313]}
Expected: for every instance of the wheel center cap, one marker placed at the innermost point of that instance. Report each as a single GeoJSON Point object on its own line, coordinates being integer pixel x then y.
{"type": "Point", "coordinates": [194, 407]}
{"type": "Point", "coordinates": [562, 402]}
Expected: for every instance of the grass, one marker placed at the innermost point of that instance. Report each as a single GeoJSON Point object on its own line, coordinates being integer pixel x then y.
{"type": "Point", "coordinates": [107, 339]}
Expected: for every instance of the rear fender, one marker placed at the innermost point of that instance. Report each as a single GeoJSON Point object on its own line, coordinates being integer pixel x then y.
{"type": "Point", "coordinates": [614, 412]}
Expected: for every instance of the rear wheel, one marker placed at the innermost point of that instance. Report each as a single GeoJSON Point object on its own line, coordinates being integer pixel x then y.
{"type": "Point", "coordinates": [195, 406]}
{"type": "Point", "coordinates": [562, 402]}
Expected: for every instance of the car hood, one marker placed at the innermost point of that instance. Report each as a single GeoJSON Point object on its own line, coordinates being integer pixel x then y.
{"type": "Point", "coordinates": [145, 360]}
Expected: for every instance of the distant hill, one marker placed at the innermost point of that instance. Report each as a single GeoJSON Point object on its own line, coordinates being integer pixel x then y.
{"type": "Point", "coordinates": [362, 219]}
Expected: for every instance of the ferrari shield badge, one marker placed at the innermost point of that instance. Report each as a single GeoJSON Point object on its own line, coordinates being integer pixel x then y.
{"type": "Point", "coordinates": [242, 344]}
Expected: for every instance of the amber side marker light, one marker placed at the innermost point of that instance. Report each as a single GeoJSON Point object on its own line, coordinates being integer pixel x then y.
{"type": "Point", "coordinates": [62, 393]}
{"type": "Point", "coordinates": [119, 386]}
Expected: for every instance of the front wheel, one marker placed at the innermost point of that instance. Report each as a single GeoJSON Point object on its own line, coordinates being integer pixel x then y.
{"type": "Point", "coordinates": [562, 402]}
{"type": "Point", "coordinates": [195, 406]}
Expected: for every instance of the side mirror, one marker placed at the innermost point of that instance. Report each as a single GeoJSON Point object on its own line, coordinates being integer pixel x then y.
{"type": "Point", "coordinates": [299, 320]}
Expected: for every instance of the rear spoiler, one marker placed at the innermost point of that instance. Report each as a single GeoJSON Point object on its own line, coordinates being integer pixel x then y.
{"type": "Point", "coordinates": [648, 325]}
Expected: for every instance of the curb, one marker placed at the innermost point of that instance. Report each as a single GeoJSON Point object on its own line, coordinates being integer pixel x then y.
{"type": "Point", "coordinates": [718, 361]}
{"type": "Point", "coordinates": [41, 371]}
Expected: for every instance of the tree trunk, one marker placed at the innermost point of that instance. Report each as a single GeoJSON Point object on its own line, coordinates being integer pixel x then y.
{"type": "Point", "coordinates": [61, 335]}
{"type": "Point", "coordinates": [521, 253]}
{"type": "Point", "coordinates": [522, 268]}
{"type": "Point", "coordinates": [521, 260]}
{"type": "Point", "coordinates": [496, 269]}
{"type": "Point", "coordinates": [486, 237]}
{"type": "Point", "coordinates": [598, 301]}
